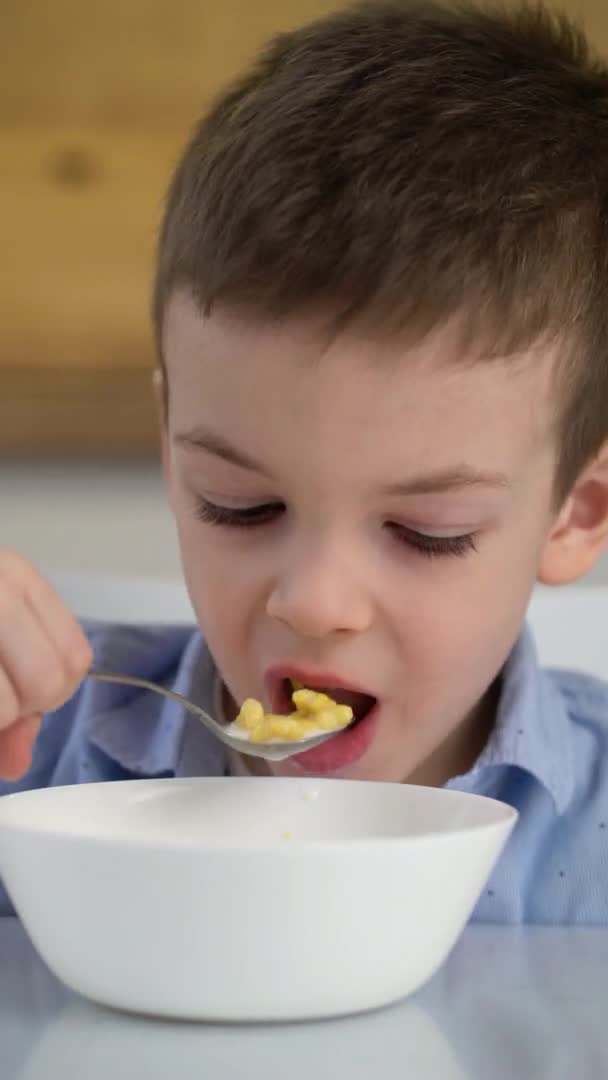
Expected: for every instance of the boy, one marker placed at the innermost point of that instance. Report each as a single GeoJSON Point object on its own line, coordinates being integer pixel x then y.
{"type": "Point", "coordinates": [382, 328]}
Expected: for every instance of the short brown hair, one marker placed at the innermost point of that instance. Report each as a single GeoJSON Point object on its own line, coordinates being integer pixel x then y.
{"type": "Point", "coordinates": [406, 162]}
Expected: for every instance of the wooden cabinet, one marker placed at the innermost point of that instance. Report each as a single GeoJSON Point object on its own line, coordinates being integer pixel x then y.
{"type": "Point", "coordinates": [95, 102]}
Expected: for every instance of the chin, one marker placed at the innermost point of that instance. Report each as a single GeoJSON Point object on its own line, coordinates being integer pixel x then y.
{"type": "Point", "coordinates": [360, 770]}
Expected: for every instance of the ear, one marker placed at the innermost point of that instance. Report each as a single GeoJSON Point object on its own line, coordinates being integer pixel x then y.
{"type": "Point", "coordinates": [160, 396]}
{"type": "Point", "coordinates": [580, 533]}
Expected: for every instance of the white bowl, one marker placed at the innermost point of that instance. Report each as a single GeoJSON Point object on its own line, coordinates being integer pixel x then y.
{"type": "Point", "coordinates": [247, 899]}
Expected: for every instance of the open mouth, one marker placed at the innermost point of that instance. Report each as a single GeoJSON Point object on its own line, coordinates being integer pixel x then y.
{"type": "Point", "coordinates": [346, 745]}
{"type": "Point", "coordinates": [361, 703]}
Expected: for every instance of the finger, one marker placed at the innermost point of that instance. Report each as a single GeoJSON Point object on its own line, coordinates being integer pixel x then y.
{"type": "Point", "coordinates": [16, 747]}
{"type": "Point", "coordinates": [33, 666]}
{"type": "Point", "coordinates": [9, 706]}
{"type": "Point", "coordinates": [61, 626]}
{"type": "Point", "coordinates": [18, 577]}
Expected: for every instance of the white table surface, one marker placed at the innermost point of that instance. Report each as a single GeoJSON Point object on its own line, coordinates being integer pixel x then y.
{"type": "Point", "coordinates": [509, 1004]}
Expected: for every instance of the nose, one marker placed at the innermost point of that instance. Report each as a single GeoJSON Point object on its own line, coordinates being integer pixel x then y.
{"type": "Point", "coordinates": [319, 593]}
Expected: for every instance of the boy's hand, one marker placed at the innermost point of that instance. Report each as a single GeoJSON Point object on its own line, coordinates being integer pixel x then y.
{"type": "Point", "coordinates": [44, 656]}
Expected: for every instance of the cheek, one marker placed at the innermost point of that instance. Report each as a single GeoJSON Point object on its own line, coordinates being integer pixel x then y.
{"type": "Point", "coordinates": [225, 588]}
{"type": "Point", "coordinates": [458, 622]}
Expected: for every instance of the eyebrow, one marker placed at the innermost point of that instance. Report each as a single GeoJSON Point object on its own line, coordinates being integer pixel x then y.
{"type": "Point", "coordinates": [211, 443]}
{"type": "Point", "coordinates": [452, 479]}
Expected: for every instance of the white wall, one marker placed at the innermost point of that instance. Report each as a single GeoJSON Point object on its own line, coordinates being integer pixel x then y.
{"type": "Point", "coordinates": [98, 518]}
{"type": "Point", "coordinates": [90, 518]}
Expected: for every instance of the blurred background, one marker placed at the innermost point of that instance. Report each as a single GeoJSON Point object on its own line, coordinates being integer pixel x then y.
{"type": "Point", "coordinates": [96, 101]}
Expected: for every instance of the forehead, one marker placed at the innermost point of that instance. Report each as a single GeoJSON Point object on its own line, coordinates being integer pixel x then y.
{"type": "Point", "coordinates": [241, 369]}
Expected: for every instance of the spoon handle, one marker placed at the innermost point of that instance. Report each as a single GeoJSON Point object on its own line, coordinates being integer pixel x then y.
{"type": "Point", "coordinates": [145, 684]}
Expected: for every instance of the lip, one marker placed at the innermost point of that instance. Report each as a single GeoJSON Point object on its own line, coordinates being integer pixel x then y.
{"type": "Point", "coordinates": [341, 750]}
{"type": "Point", "coordinates": [311, 678]}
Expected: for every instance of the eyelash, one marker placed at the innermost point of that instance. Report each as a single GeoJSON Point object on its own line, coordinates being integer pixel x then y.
{"type": "Point", "coordinates": [433, 547]}
{"type": "Point", "coordinates": [244, 518]}
{"type": "Point", "coordinates": [250, 517]}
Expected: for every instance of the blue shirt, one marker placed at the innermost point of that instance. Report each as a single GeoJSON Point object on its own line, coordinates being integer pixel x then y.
{"type": "Point", "coordinates": [547, 756]}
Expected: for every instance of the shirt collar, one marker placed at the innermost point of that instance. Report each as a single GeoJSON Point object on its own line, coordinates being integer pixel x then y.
{"type": "Point", "coordinates": [532, 727]}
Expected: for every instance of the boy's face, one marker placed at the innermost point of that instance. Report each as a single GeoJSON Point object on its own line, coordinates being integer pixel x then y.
{"type": "Point", "coordinates": [382, 514]}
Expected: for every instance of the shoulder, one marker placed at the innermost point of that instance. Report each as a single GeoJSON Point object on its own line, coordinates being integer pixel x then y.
{"type": "Point", "coordinates": [585, 705]}
{"type": "Point", "coordinates": [585, 700]}
{"type": "Point", "coordinates": [555, 867]}
{"type": "Point", "coordinates": [573, 859]}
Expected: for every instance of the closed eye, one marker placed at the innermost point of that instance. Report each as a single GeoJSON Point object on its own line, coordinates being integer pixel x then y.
{"type": "Point", "coordinates": [244, 517]}
{"type": "Point", "coordinates": [433, 546]}
{"type": "Point", "coordinates": [248, 517]}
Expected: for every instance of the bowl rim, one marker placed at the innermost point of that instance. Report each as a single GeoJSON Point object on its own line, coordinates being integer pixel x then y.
{"type": "Point", "coordinates": [505, 819]}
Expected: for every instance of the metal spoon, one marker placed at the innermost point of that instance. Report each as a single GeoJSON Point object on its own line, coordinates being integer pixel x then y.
{"type": "Point", "coordinates": [229, 734]}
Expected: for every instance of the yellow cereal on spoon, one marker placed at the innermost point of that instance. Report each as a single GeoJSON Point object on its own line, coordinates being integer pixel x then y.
{"type": "Point", "coordinates": [251, 714]}
{"type": "Point", "coordinates": [314, 713]}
